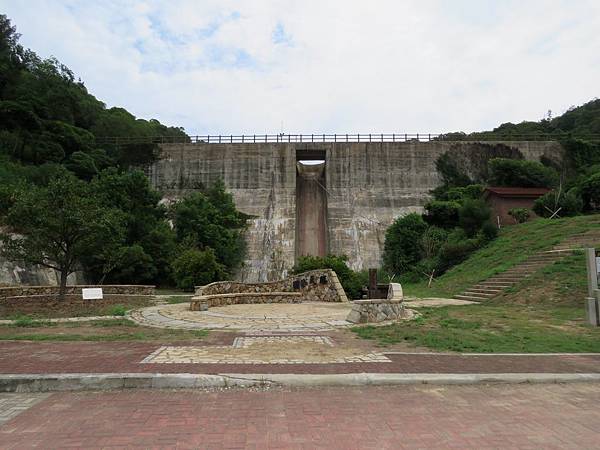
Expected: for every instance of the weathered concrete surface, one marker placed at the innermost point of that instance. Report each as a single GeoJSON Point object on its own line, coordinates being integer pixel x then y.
{"type": "Point", "coordinates": [368, 185]}
{"type": "Point", "coordinates": [311, 211]}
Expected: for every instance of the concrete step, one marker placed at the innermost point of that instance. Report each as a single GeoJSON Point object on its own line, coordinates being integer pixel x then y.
{"type": "Point", "coordinates": [471, 298]}
{"type": "Point", "coordinates": [485, 289]}
{"type": "Point", "coordinates": [479, 294]}
{"type": "Point", "coordinates": [497, 286]}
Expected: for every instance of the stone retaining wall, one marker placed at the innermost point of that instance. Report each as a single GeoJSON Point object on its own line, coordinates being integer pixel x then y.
{"type": "Point", "coordinates": [204, 302]}
{"type": "Point", "coordinates": [320, 285]}
{"type": "Point", "coordinates": [52, 291]}
{"type": "Point", "coordinates": [377, 310]}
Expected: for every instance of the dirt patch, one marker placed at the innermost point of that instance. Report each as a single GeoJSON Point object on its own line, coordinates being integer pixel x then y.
{"type": "Point", "coordinates": [50, 307]}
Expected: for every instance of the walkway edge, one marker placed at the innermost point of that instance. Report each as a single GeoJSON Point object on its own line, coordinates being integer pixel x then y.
{"type": "Point", "coordinates": [111, 381]}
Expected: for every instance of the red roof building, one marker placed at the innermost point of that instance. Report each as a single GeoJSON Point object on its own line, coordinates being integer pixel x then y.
{"type": "Point", "coordinates": [502, 199]}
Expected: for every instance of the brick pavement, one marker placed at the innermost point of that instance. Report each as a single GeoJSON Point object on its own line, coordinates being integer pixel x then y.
{"type": "Point", "coordinates": [18, 357]}
{"type": "Point", "coordinates": [496, 416]}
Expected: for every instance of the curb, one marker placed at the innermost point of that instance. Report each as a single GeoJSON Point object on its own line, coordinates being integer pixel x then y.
{"type": "Point", "coordinates": [112, 381]}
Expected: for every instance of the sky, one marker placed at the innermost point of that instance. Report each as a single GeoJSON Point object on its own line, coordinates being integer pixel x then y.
{"type": "Point", "coordinates": [324, 66]}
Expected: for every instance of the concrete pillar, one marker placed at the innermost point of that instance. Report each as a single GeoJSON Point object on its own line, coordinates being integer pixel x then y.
{"type": "Point", "coordinates": [592, 301]}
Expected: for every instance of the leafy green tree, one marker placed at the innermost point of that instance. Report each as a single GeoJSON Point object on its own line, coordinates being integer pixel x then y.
{"type": "Point", "coordinates": [211, 220]}
{"type": "Point", "coordinates": [590, 191]}
{"type": "Point", "coordinates": [401, 249]}
{"type": "Point", "coordinates": [57, 225]}
{"type": "Point", "coordinates": [195, 267]}
{"type": "Point", "coordinates": [521, 173]}
{"type": "Point", "coordinates": [563, 204]}
{"type": "Point", "coordinates": [472, 215]}
{"type": "Point", "coordinates": [351, 281]}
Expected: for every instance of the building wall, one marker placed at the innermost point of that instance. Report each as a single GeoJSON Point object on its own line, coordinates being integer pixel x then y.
{"type": "Point", "coordinates": [501, 206]}
{"type": "Point", "coordinates": [367, 186]}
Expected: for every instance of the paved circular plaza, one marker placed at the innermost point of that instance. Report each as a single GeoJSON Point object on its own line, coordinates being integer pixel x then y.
{"type": "Point", "coordinates": [313, 316]}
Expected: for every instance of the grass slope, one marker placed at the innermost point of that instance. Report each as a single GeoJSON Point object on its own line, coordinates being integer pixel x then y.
{"type": "Point", "coordinates": [513, 245]}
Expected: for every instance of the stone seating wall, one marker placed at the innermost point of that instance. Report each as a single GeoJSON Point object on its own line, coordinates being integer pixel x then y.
{"type": "Point", "coordinates": [203, 302]}
{"type": "Point", "coordinates": [320, 285]}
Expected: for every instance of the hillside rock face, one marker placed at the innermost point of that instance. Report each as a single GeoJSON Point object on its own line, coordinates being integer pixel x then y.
{"type": "Point", "coordinates": [360, 190]}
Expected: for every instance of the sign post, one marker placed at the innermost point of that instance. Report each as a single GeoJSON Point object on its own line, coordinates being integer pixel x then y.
{"type": "Point", "coordinates": [592, 301]}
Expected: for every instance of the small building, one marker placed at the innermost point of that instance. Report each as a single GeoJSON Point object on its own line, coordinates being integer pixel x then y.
{"type": "Point", "coordinates": [502, 199]}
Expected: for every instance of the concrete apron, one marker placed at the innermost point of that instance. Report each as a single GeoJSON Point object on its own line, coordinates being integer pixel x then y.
{"type": "Point", "coordinates": [113, 381]}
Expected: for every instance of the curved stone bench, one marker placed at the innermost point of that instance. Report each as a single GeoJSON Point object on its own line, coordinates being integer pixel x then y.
{"type": "Point", "coordinates": [203, 302]}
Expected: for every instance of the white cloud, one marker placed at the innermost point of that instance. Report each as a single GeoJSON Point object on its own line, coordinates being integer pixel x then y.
{"type": "Point", "coordinates": [224, 66]}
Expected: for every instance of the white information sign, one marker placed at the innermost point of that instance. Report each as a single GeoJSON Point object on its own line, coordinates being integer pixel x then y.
{"type": "Point", "coordinates": [92, 293]}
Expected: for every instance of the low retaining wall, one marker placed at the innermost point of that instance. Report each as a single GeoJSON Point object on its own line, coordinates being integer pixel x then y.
{"type": "Point", "coordinates": [376, 310]}
{"type": "Point", "coordinates": [204, 302]}
{"type": "Point", "coordinates": [320, 285]}
{"type": "Point", "coordinates": [52, 291]}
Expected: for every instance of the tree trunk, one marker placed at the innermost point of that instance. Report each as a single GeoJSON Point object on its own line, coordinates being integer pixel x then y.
{"type": "Point", "coordinates": [63, 284]}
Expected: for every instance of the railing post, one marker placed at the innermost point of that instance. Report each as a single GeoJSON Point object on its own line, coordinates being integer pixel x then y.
{"type": "Point", "coordinates": [323, 137]}
{"type": "Point", "coordinates": [358, 137]}
{"type": "Point", "coordinates": [334, 137]}
{"type": "Point", "coordinates": [346, 137]}
{"type": "Point", "coordinates": [255, 139]}
{"type": "Point", "coordinates": [243, 138]}
{"type": "Point", "coordinates": [393, 137]}
{"type": "Point", "coordinates": [266, 139]}
{"type": "Point", "coordinates": [231, 138]}
{"type": "Point", "coordinates": [405, 137]}
{"type": "Point", "coordinates": [417, 136]}
{"type": "Point", "coordinates": [429, 138]}
{"type": "Point", "coordinates": [219, 139]}
{"type": "Point", "coordinates": [369, 137]}
{"type": "Point", "coordinates": [381, 137]}
{"type": "Point", "coordinates": [312, 138]}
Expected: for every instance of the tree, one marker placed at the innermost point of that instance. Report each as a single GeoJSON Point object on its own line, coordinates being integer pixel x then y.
{"type": "Point", "coordinates": [472, 215]}
{"type": "Point", "coordinates": [195, 267]}
{"type": "Point", "coordinates": [401, 249]}
{"type": "Point", "coordinates": [351, 281]}
{"type": "Point", "coordinates": [210, 220]}
{"type": "Point", "coordinates": [57, 225]}
{"type": "Point", "coordinates": [521, 173]}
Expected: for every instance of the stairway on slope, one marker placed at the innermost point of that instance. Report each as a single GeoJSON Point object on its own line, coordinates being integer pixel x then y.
{"type": "Point", "coordinates": [498, 283]}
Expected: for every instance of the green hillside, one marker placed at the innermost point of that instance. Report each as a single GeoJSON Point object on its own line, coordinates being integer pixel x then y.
{"type": "Point", "coordinates": [513, 245]}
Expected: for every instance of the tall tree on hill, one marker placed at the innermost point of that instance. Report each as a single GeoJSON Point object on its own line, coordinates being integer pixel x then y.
{"type": "Point", "coordinates": [56, 226]}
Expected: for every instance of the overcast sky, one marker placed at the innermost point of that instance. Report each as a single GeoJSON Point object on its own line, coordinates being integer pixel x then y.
{"type": "Point", "coordinates": [225, 66]}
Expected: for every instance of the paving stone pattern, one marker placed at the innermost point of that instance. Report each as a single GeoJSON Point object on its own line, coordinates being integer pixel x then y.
{"type": "Point", "coordinates": [475, 417]}
{"type": "Point", "coordinates": [11, 405]}
{"type": "Point", "coordinates": [313, 316]}
{"type": "Point", "coordinates": [266, 350]}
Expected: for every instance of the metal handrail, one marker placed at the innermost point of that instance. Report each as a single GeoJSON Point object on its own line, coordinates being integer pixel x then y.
{"type": "Point", "coordinates": [322, 137]}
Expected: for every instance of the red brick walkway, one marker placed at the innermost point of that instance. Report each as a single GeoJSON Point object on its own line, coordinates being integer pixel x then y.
{"type": "Point", "coordinates": [499, 416]}
{"type": "Point", "coordinates": [102, 357]}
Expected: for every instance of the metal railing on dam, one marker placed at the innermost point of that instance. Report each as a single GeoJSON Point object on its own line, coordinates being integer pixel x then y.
{"type": "Point", "coordinates": [316, 138]}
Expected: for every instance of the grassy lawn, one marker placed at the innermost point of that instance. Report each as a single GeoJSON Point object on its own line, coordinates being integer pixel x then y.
{"type": "Point", "coordinates": [491, 328]}
{"type": "Point", "coordinates": [513, 245]}
{"type": "Point", "coordinates": [98, 330]}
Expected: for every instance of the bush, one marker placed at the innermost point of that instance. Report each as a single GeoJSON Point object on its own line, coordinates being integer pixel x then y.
{"type": "Point", "coordinates": [432, 241]}
{"type": "Point", "coordinates": [590, 191]}
{"type": "Point", "coordinates": [521, 215]}
{"type": "Point", "coordinates": [521, 173]}
{"type": "Point", "coordinates": [472, 215]}
{"type": "Point", "coordinates": [196, 268]}
{"type": "Point", "coordinates": [400, 251]}
{"type": "Point", "coordinates": [351, 281]}
{"type": "Point", "coordinates": [442, 213]}
{"type": "Point", "coordinates": [118, 310]}
{"type": "Point", "coordinates": [570, 204]}
{"type": "Point", "coordinates": [453, 253]}
{"type": "Point", "coordinates": [489, 232]}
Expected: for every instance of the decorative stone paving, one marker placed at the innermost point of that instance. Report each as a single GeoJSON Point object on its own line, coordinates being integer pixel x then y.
{"type": "Point", "coordinates": [291, 350]}
{"type": "Point", "coordinates": [309, 316]}
{"type": "Point", "coordinates": [11, 405]}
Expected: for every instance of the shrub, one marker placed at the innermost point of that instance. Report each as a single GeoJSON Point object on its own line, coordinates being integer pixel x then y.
{"type": "Point", "coordinates": [489, 232]}
{"type": "Point", "coordinates": [570, 204]}
{"type": "Point", "coordinates": [400, 251]}
{"type": "Point", "coordinates": [196, 268]}
{"type": "Point", "coordinates": [521, 215]}
{"type": "Point", "coordinates": [118, 310]}
{"type": "Point", "coordinates": [432, 241]}
{"type": "Point", "coordinates": [521, 173]}
{"type": "Point", "coordinates": [472, 215]}
{"type": "Point", "coordinates": [351, 281]}
{"type": "Point", "coordinates": [453, 253]}
{"type": "Point", "coordinates": [442, 213]}
{"type": "Point", "coordinates": [590, 191]}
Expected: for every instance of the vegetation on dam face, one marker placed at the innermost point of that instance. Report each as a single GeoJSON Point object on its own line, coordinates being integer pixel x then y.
{"type": "Point", "coordinates": [53, 169]}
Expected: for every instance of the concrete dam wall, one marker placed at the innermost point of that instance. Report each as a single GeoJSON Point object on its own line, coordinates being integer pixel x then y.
{"type": "Point", "coordinates": [342, 206]}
